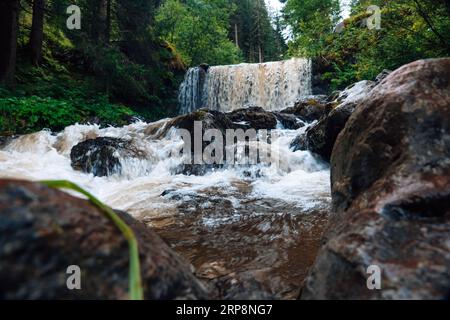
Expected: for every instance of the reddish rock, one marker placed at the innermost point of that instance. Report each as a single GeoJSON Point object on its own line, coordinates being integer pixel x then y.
{"type": "Point", "coordinates": [391, 192]}
{"type": "Point", "coordinates": [43, 231]}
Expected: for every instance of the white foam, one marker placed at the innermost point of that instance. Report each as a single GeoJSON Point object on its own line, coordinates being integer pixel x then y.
{"type": "Point", "coordinates": [299, 178]}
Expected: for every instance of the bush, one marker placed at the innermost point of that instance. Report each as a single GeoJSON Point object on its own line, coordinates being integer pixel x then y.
{"type": "Point", "coordinates": [19, 115]}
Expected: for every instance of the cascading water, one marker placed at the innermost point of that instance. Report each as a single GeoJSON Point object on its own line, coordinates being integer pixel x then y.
{"type": "Point", "coordinates": [234, 220]}
{"type": "Point", "coordinates": [190, 95]}
{"type": "Point", "coordinates": [272, 86]}
{"type": "Point", "coordinates": [237, 221]}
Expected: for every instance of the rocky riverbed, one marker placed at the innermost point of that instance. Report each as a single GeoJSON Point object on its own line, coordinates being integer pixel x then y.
{"type": "Point", "coordinates": [266, 231]}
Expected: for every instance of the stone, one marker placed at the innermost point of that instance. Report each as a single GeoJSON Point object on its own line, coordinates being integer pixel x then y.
{"type": "Point", "coordinates": [43, 231]}
{"type": "Point", "coordinates": [390, 173]}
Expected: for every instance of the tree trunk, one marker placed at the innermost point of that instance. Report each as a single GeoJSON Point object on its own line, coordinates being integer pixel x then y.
{"type": "Point", "coordinates": [108, 21]}
{"type": "Point", "coordinates": [260, 53]}
{"type": "Point", "coordinates": [236, 35]}
{"type": "Point", "coordinates": [37, 31]}
{"type": "Point", "coordinates": [9, 13]}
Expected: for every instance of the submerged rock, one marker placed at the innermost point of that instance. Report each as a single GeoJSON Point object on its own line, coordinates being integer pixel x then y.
{"type": "Point", "coordinates": [101, 156]}
{"type": "Point", "coordinates": [391, 192]}
{"type": "Point", "coordinates": [44, 231]}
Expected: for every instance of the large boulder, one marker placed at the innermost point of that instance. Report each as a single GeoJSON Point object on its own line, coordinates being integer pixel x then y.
{"type": "Point", "coordinates": [102, 156]}
{"type": "Point", "coordinates": [44, 231]}
{"type": "Point", "coordinates": [320, 138]}
{"type": "Point", "coordinates": [248, 118]}
{"type": "Point", "coordinates": [391, 192]}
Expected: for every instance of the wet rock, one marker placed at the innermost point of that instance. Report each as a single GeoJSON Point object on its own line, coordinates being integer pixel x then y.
{"type": "Point", "coordinates": [210, 120]}
{"type": "Point", "coordinates": [289, 121]}
{"type": "Point", "coordinates": [254, 117]}
{"type": "Point", "coordinates": [43, 231]}
{"type": "Point", "coordinates": [204, 66]}
{"type": "Point", "coordinates": [101, 156]}
{"type": "Point", "coordinates": [196, 169]}
{"type": "Point", "coordinates": [299, 143]}
{"type": "Point", "coordinates": [320, 84]}
{"type": "Point", "coordinates": [4, 140]}
{"type": "Point", "coordinates": [383, 75]}
{"type": "Point", "coordinates": [310, 108]}
{"type": "Point", "coordinates": [321, 137]}
{"type": "Point", "coordinates": [391, 192]}
{"type": "Point", "coordinates": [250, 118]}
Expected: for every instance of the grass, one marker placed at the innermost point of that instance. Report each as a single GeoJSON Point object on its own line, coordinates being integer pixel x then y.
{"type": "Point", "coordinates": [135, 281]}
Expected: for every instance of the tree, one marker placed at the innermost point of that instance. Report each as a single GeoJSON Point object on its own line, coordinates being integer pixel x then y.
{"type": "Point", "coordinates": [410, 30]}
{"type": "Point", "coordinates": [199, 30]}
{"type": "Point", "coordinates": [37, 31]}
{"type": "Point", "coordinates": [259, 38]}
{"type": "Point", "coordinates": [9, 15]}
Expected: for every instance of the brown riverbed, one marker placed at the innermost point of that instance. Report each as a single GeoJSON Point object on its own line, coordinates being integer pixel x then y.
{"type": "Point", "coordinates": [262, 249]}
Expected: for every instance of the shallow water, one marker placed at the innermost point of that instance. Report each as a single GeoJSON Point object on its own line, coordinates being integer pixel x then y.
{"type": "Point", "coordinates": [246, 231]}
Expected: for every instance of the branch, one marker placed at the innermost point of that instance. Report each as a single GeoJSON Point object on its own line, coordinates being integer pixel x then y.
{"type": "Point", "coordinates": [428, 21]}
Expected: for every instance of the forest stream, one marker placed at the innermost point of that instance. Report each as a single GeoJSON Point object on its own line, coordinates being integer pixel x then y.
{"type": "Point", "coordinates": [259, 226]}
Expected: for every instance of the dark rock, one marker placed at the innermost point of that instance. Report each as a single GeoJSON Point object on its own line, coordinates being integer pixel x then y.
{"type": "Point", "coordinates": [289, 121]}
{"type": "Point", "coordinates": [204, 66]}
{"type": "Point", "coordinates": [101, 156]}
{"type": "Point", "coordinates": [321, 137]}
{"type": "Point", "coordinates": [255, 117]}
{"type": "Point", "coordinates": [196, 169]}
{"type": "Point", "coordinates": [209, 120]}
{"type": "Point", "coordinates": [43, 231]}
{"type": "Point", "coordinates": [320, 85]}
{"type": "Point", "coordinates": [4, 140]}
{"type": "Point", "coordinates": [310, 108]}
{"type": "Point", "coordinates": [299, 143]}
{"type": "Point", "coordinates": [383, 75]}
{"type": "Point", "coordinates": [391, 192]}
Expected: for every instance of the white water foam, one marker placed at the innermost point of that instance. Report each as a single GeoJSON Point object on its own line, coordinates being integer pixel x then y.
{"type": "Point", "coordinates": [302, 180]}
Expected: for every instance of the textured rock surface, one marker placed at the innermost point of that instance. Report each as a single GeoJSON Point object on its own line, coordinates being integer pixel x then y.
{"type": "Point", "coordinates": [310, 108]}
{"type": "Point", "coordinates": [254, 117]}
{"type": "Point", "coordinates": [43, 231]}
{"type": "Point", "coordinates": [391, 192]}
{"type": "Point", "coordinates": [250, 118]}
{"type": "Point", "coordinates": [101, 156]}
{"type": "Point", "coordinates": [321, 137]}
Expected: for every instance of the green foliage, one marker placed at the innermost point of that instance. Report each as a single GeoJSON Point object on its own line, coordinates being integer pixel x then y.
{"type": "Point", "coordinates": [410, 30]}
{"type": "Point", "coordinates": [135, 282]}
{"type": "Point", "coordinates": [257, 33]}
{"type": "Point", "coordinates": [199, 30]}
{"type": "Point", "coordinates": [20, 115]}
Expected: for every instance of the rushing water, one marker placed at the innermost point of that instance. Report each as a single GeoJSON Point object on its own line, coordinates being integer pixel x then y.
{"type": "Point", "coordinates": [258, 223]}
{"type": "Point", "coordinates": [271, 85]}
{"type": "Point", "coordinates": [250, 232]}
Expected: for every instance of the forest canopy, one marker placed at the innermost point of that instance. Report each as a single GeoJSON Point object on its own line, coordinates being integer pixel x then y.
{"type": "Point", "coordinates": [129, 57]}
{"type": "Point", "coordinates": [410, 30]}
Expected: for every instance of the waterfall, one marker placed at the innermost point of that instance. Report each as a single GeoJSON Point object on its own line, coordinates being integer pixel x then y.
{"type": "Point", "coordinates": [272, 86]}
{"type": "Point", "coordinates": [190, 95]}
